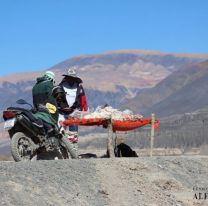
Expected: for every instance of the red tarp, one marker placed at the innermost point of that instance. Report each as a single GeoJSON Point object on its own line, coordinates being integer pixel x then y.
{"type": "Point", "coordinates": [117, 125]}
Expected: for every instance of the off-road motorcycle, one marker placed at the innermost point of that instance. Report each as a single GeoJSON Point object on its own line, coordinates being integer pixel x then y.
{"type": "Point", "coordinates": [29, 137]}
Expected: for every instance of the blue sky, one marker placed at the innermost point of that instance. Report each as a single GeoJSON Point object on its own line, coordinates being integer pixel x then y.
{"type": "Point", "coordinates": [37, 34]}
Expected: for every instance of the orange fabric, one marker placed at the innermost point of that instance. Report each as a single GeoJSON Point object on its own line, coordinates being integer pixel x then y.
{"type": "Point", "coordinates": [129, 125]}
{"type": "Point", "coordinates": [84, 122]}
{"type": "Point", "coordinates": [117, 125]}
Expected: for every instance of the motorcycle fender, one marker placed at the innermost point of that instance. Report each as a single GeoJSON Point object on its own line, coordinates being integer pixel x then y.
{"type": "Point", "coordinates": [9, 123]}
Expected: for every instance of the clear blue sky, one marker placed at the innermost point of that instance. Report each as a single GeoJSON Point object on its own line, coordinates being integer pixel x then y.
{"type": "Point", "coordinates": [37, 34]}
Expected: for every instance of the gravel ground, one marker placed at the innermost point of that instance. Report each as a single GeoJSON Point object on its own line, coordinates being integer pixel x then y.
{"type": "Point", "coordinates": [157, 181]}
{"type": "Point", "coordinates": [5, 147]}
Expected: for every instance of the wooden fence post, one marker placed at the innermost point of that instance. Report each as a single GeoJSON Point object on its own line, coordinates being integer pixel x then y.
{"type": "Point", "coordinates": [152, 134]}
{"type": "Point", "coordinates": [110, 147]}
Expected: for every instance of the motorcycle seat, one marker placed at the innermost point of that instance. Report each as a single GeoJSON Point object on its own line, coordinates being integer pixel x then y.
{"type": "Point", "coordinates": [18, 109]}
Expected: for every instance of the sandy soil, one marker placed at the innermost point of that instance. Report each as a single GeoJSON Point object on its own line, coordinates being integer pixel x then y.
{"type": "Point", "coordinates": [157, 181]}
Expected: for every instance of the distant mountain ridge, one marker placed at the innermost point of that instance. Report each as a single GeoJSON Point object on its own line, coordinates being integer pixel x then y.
{"type": "Point", "coordinates": [149, 67]}
{"type": "Point", "coordinates": [112, 77]}
{"type": "Point", "coordinates": [183, 91]}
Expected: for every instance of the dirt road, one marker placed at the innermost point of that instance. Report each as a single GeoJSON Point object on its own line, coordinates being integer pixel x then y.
{"type": "Point", "coordinates": [157, 181]}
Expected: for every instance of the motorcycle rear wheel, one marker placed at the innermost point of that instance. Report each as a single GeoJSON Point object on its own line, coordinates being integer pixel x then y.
{"type": "Point", "coordinates": [21, 147]}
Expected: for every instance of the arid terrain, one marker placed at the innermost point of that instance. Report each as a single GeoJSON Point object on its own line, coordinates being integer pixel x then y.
{"type": "Point", "coordinates": [144, 181]}
{"type": "Point", "coordinates": [166, 179]}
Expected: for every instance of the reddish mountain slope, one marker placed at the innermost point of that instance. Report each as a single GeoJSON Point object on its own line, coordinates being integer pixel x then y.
{"type": "Point", "coordinates": [183, 91]}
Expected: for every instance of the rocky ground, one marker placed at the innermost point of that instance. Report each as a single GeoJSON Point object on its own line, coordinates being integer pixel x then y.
{"type": "Point", "coordinates": [145, 181]}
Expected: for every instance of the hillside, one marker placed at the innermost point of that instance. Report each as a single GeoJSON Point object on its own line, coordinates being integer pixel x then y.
{"type": "Point", "coordinates": [129, 68]}
{"type": "Point", "coordinates": [157, 181]}
{"type": "Point", "coordinates": [183, 91]}
{"type": "Point", "coordinates": [118, 74]}
{"type": "Point", "coordinates": [148, 66]}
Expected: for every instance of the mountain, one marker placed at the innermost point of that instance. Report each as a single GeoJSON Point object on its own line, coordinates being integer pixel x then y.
{"type": "Point", "coordinates": [110, 77]}
{"type": "Point", "coordinates": [132, 69]}
{"type": "Point", "coordinates": [183, 91]}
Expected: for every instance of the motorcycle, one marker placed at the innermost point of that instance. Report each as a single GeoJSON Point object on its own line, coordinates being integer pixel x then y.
{"type": "Point", "coordinates": [30, 138]}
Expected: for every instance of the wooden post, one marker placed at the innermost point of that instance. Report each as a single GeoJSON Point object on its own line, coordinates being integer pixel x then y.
{"type": "Point", "coordinates": [110, 147]}
{"type": "Point", "coordinates": [152, 134]}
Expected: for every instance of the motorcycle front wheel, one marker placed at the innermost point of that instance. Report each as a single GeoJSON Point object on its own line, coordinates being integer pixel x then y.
{"type": "Point", "coordinates": [22, 147]}
{"type": "Point", "coordinates": [67, 149]}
